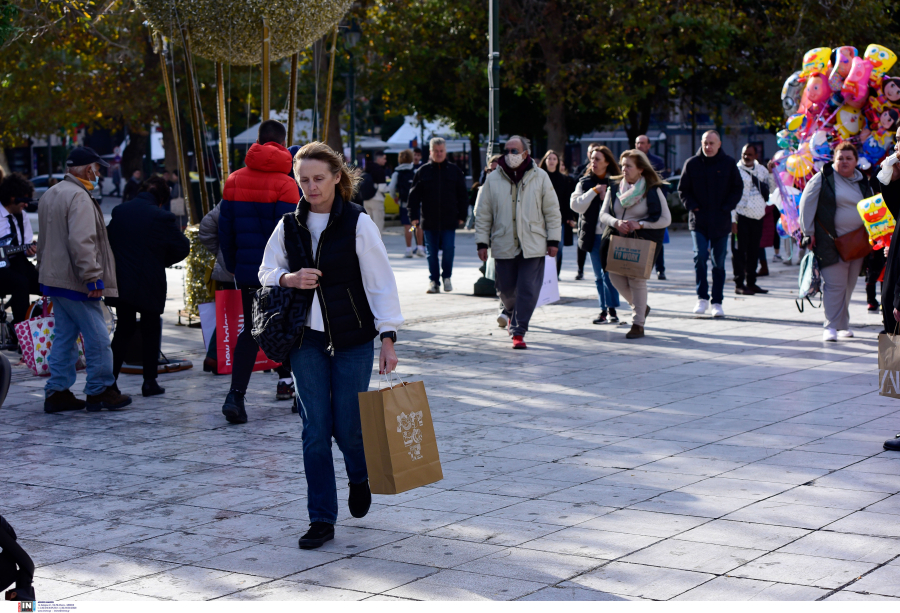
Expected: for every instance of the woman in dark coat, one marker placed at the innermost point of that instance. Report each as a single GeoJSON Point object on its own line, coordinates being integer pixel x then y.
{"type": "Point", "coordinates": [563, 185]}
{"type": "Point", "coordinates": [145, 240]}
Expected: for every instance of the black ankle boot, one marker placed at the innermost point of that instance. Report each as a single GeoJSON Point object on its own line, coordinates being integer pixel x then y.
{"type": "Point", "coordinates": [360, 499]}
{"type": "Point", "coordinates": [152, 388]}
{"type": "Point", "coordinates": [319, 533]}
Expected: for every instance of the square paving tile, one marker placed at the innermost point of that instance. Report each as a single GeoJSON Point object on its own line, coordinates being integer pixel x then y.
{"type": "Point", "coordinates": [803, 570]}
{"type": "Point", "coordinates": [643, 581]}
{"type": "Point", "coordinates": [689, 555]}
{"type": "Point", "coordinates": [592, 543]}
{"type": "Point", "coordinates": [364, 574]}
{"type": "Point", "coordinates": [432, 551]}
{"type": "Point", "coordinates": [458, 585]}
{"type": "Point", "coordinates": [733, 588]}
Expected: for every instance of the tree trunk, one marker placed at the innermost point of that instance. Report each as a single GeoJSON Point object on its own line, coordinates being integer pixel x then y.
{"type": "Point", "coordinates": [638, 120]}
{"type": "Point", "coordinates": [556, 126]}
{"type": "Point", "coordinates": [4, 163]}
{"type": "Point", "coordinates": [475, 162]}
{"type": "Point", "coordinates": [333, 131]}
{"type": "Point", "coordinates": [133, 156]}
{"type": "Point", "coordinates": [171, 161]}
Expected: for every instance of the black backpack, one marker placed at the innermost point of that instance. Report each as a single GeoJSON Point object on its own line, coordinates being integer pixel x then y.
{"type": "Point", "coordinates": [279, 314]}
{"type": "Point", "coordinates": [404, 183]}
{"type": "Point", "coordinates": [367, 189]}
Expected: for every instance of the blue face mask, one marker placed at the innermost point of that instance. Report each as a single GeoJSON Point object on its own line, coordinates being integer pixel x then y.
{"type": "Point", "coordinates": [96, 182]}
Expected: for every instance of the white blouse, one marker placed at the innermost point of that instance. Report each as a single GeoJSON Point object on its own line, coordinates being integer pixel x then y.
{"type": "Point", "coordinates": [377, 274]}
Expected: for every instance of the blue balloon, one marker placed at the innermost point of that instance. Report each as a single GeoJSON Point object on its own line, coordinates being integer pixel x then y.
{"type": "Point", "coordinates": [780, 229]}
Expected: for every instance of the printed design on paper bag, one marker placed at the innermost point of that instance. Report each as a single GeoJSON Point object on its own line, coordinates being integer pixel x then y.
{"type": "Point", "coordinates": [626, 254]}
{"type": "Point", "coordinates": [412, 436]}
{"type": "Point", "coordinates": [890, 382]}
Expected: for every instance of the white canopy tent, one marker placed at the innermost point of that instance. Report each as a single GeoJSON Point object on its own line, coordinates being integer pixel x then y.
{"type": "Point", "coordinates": [413, 129]}
{"type": "Point", "coordinates": [303, 128]}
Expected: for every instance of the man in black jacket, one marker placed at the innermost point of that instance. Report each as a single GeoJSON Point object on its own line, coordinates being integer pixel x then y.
{"type": "Point", "coordinates": [710, 189]}
{"type": "Point", "coordinates": [145, 240]}
{"type": "Point", "coordinates": [439, 197]}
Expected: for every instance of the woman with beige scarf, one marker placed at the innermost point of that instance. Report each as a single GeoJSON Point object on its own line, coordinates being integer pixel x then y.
{"type": "Point", "coordinates": [636, 205]}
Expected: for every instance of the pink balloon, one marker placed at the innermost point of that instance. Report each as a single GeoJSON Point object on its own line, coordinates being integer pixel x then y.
{"type": "Point", "coordinates": [856, 86]}
{"type": "Point", "coordinates": [787, 179]}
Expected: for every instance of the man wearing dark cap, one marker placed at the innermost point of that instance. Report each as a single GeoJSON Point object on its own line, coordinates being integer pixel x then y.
{"type": "Point", "coordinates": [76, 268]}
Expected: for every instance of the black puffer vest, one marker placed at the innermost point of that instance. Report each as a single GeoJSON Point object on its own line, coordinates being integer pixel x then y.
{"type": "Point", "coordinates": [587, 222]}
{"type": "Point", "coordinates": [825, 250]}
{"type": "Point", "coordinates": [342, 297]}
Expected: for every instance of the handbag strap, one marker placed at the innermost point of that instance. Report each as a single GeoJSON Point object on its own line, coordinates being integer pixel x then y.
{"type": "Point", "coordinates": [827, 233]}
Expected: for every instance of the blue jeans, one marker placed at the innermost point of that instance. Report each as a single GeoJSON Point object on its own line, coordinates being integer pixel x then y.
{"type": "Point", "coordinates": [436, 240]}
{"type": "Point", "coordinates": [609, 297]}
{"type": "Point", "coordinates": [327, 388]}
{"type": "Point", "coordinates": [702, 246]}
{"type": "Point", "coordinates": [86, 317]}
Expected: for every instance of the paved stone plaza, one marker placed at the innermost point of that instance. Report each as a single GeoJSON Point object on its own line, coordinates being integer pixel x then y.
{"type": "Point", "coordinates": [731, 459]}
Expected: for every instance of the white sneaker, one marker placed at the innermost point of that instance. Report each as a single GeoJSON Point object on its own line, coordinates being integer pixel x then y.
{"type": "Point", "coordinates": [717, 310]}
{"type": "Point", "coordinates": [502, 320]}
{"type": "Point", "coordinates": [829, 334]}
{"type": "Point", "coordinates": [702, 307]}
{"type": "Point", "coordinates": [408, 253]}
{"type": "Point", "coordinates": [845, 333]}
{"type": "Point", "coordinates": [448, 287]}
{"type": "Point", "coordinates": [420, 252]}
{"type": "Point", "coordinates": [433, 288]}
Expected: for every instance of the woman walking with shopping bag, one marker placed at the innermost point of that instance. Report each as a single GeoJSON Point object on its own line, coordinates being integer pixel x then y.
{"type": "Point", "coordinates": [332, 251]}
{"type": "Point", "coordinates": [587, 200]}
{"type": "Point", "coordinates": [636, 205]}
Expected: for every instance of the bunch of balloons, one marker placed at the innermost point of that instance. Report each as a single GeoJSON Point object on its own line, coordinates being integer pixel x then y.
{"type": "Point", "coordinates": [837, 96]}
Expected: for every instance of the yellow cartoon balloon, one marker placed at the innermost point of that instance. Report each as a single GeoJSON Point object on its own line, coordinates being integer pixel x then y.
{"type": "Point", "coordinates": [800, 164]}
{"type": "Point", "coordinates": [815, 60]}
{"type": "Point", "coordinates": [878, 220]}
{"type": "Point", "coordinates": [882, 60]}
{"type": "Point", "coordinates": [847, 121]}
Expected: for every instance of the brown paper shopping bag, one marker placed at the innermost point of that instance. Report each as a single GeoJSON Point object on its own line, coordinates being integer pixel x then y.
{"type": "Point", "coordinates": [630, 257]}
{"type": "Point", "coordinates": [398, 437]}
{"type": "Point", "coordinates": [889, 365]}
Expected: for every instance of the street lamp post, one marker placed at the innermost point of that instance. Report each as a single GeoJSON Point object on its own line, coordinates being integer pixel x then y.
{"type": "Point", "coordinates": [351, 37]}
{"type": "Point", "coordinates": [494, 78]}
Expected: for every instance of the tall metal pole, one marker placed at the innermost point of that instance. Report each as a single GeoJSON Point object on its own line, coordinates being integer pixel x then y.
{"type": "Point", "coordinates": [292, 99]}
{"type": "Point", "coordinates": [176, 133]}
{"type": "Point", "coordinates": [494, 78]}
{"type": "Point", "coordinates": [324, 138]}
{"type": "Point", "coordinates": [195, 121]}
{"type": "Point", "coordinates": [223, 120]}
{"type": "Point", "coordinates": [351, 95]}
{"type": "Point", "coordinates": [266, 105]}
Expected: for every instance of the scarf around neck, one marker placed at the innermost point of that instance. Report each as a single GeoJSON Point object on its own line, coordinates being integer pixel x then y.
{"type": "Point", "coordinates": [632, 194]}
{"type": "Point", "coordinates": [515, 174]}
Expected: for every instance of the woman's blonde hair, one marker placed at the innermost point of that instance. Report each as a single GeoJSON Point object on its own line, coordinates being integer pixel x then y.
{"type": "Point", "coordinates": [405, 157]}
{"type": "Point", "coordinates": [316, 150]}
{"type": "Point", "coordinates": [649, 173]}
{"type": "Point", "coordinates": [612, 165]}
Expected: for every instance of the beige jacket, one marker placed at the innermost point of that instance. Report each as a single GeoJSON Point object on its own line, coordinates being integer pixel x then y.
{"type": "Point", "coordinates": [517, 218]}
{"type": "Point", "coordinates": [73, 248]}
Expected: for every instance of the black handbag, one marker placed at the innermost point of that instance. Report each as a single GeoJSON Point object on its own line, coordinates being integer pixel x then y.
{"type": "Point", "coordinates": [279, 314]}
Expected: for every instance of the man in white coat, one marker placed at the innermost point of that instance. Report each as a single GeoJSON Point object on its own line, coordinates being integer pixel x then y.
{"type": "Point", "coordinates": [517, 216]}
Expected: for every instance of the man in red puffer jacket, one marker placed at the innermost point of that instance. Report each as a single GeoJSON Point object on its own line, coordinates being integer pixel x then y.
{"type": "Point", "coordinates": [255, 198]}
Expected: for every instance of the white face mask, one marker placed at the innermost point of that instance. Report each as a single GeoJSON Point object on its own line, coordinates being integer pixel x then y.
{"type": "Point", "coordinates": [514, 161]}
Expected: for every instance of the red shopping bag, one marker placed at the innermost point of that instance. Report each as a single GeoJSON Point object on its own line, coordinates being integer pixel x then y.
{"type": "Point", "coordinates": [229, 324]}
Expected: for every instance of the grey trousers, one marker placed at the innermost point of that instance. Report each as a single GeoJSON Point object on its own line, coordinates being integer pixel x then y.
{"type": "Point", "coordinates": [634, 291]}
{"type": "Point", "coordinates": [519, 283]}
{"type": "Point", "coordinates": [839, 281]}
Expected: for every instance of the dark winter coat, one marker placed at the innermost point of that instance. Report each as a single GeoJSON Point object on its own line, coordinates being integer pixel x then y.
{"type": "Point", "coordinates": [131, 189]}
{"type": "Point", "coordinates": [145, 240]}
{"type": "Point", "coordinates": [564, 185]}
{"type": "Point", "coordinates": [438, 196]}
{"type": "Point", "coordinates": [349, 320]}
{"type": "Point", "coordinates": [254, 199]}
{"type": "Point", "coordinates": [587, 224]}
{"type": "Point", "coordinates": [710, 189]}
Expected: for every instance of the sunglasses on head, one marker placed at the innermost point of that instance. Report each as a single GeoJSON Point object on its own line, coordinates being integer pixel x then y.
{"type": "Point", "coordinates": [512, 151]}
